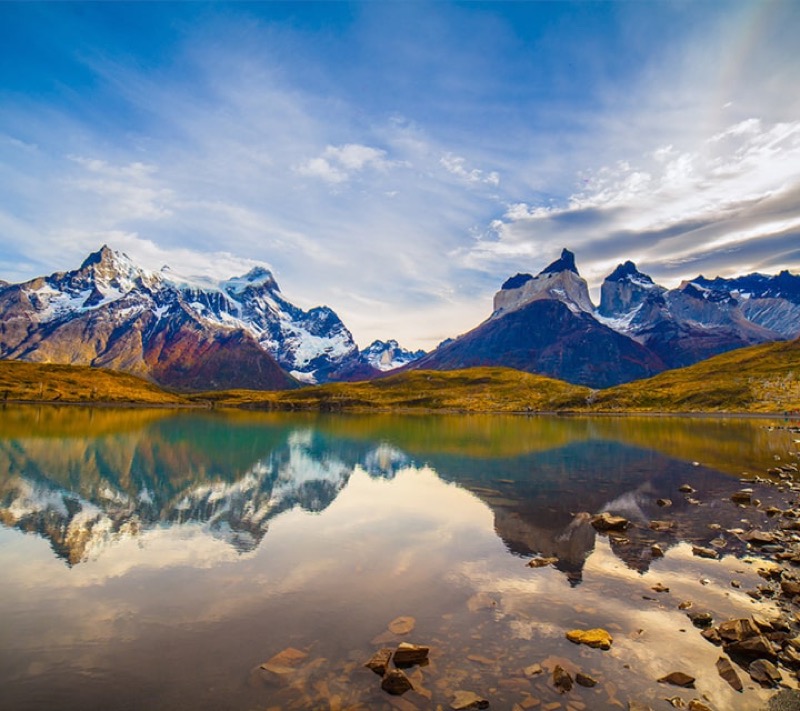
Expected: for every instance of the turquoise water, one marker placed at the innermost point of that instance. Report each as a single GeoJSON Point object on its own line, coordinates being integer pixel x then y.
{"type": "Point", "coordinates": [155, 559]}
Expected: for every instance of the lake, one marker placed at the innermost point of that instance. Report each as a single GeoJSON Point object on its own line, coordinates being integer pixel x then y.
{"type": "Point", "coordinates": [155, 559]}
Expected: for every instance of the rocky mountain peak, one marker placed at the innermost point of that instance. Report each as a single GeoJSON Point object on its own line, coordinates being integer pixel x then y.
{"type": "Point", "coordinates": [625, 290]}
{"type": "Point", "coordinates": [559, 281]}
{"type": "Point", "coordinates": [565, 263]}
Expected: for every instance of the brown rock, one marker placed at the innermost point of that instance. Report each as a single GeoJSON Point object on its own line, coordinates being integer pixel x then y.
{"type": "Point", "coordinates": [700, 618]}
{"type": "Point", "coordinates": [468, 700]}
{"type": "Point", "coordinates": [597, 638]}
{"type": "Point", "coordinates": [659, 588]}
{"type": "Point", "coordinates": [764, 672]}
{"type": "Point", "coordinates": [661, 526]}
{"type": "Point", "coordinates": [664, 502]}
{"type": "Point", "coordinates": [752, 647]}
{"type": "Point", "coordinates": [408, 654]}
{"type": "Point", "coordinates": [737, 630]}
{"type": "Point", "coordinates": [541, 562]}
{"type": "Point", "coordinates": [759, 538]}
{"type": "Point", "coordinates": [728, 673]}
{"type": "Point", "coordinates": [656, 551]}
{"type": "Point", "coordinates": [742, 497]}
{"type": "Point", "coordinates": [285, 662]}
{"type": "Point", "coordinates": [712, 635]}
{"type": "Point", "coordinates": [608, 522]}
{"type": "Point", "coordinates": [701, 552]}
{"type": "Point", "coordinates": [396, 683]}
{"type": "Point", "coordinates": [686, 489]}
{"type": "Point", "coordinates": [697, 705]}
{"type": "Point", "coordinates": [562, 679]}
{"type": "Point", "coordinates": [585, 680]}
{"type": "Point", "coordinates": [790, 588]}
{"type": "Point", "coordinates": [402, 625]}
{"type": "Point", "coordinates": [380, 661]}
{"type": "Point", "coordinates": [678, 678]}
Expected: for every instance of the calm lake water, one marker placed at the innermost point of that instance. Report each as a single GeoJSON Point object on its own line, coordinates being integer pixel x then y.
{"type": "Point", "coordinates": [154, 559]}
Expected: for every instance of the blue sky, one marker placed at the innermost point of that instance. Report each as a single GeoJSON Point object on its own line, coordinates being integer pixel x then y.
{"type": "Point", "coordinates": [398, 160]}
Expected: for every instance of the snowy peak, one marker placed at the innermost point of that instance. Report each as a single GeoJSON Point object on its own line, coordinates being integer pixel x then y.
{"type": "Point", "coordinates": [388, 355]}
{"type": "Point", "coordinates": [625, 290]}
{"type": "Point", "coordinates": [559, 281]}
{"type": "Point", "coordinates": [87, 311]}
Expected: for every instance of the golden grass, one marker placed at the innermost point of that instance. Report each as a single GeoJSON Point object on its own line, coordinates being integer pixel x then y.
{"type": "Point", "coordinates": [47, 382]}
{"type": "Point", "coordinates": [470, 390]}
{"type": "Point", "coordinates": [760, 379]}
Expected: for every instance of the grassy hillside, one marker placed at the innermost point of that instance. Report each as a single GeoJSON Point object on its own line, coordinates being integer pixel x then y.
{"type": "Point", "coordinates": [470, 390]}
{"type": "Point", "coordinates": [46, 382]}
{"type": "Point", "coordinates": [764, 378]}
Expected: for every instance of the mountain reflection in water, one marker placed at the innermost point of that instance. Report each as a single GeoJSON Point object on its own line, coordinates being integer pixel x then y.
{"type": "Point", "coordinates": [90, 482]}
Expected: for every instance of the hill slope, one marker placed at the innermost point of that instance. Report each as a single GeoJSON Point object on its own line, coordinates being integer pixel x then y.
{"type": "Point", "coordinates": [763, 378]}
{"type": "Point", "coordinates": [471, 390]}
{"type": "Point", "coordinates": [40, 382]}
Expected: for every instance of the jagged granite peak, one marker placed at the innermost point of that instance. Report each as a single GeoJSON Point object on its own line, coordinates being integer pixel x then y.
{"type": "Point", "coordinates": [559, 281]}
{"type": "Point", "coordinates": [624, 291]}
{"type": "Point", "coordinates": [112, 313]}
{"type": "Point", "coordinates": [388, 355]}
{"type": "Point", "coordinates": [566, 262]}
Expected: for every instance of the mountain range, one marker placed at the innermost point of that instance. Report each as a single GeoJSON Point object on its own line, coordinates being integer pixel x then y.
{"type": "Point", "coordinates": [547, 324]}
{"type": "Point", "coordinates": [196, 333]}
{"type": "Point", "coordinates": [184, 333]}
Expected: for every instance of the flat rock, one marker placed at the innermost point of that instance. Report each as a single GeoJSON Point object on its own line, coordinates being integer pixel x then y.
{"type": "Point", "coordinates": [408, 654]}
{"type": "Point", "coordinates": [402, 625]}
{"type": "Point", "coordinates": [661, 526]}
{"type": "Point", "coordinates": [608, 522]}
{"type": "Point", "coordinates": [678, 678]}
{"type": "Point", "coordinates": [585, 680]}
{"type": "Point", "coordinates": [396, 683]}
{"type": "Point", "coordinates": [597, 638]}
{"type": "Point", "coordinates": [466, 700]}
{"type": "Point", "coordinates": [701, 552]}
{"type": "Point", "coordinates": [541, 562]}
{"type": "Point", "coordinates": [759, 538]}
{"type": "Point", "coordinates": [728, 673]}
{"type": "Point", "coordinates": [285, 661]}
{"type": "Point", "coordinates": [742, 497]}
{"type": "Point", "coordinates": [379, 662]}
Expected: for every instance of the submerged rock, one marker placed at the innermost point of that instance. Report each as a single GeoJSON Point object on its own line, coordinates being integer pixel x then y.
{"type": "Point", "coordinates": [678, 678]}
{"type": "Point", "coordinates": [597, 638]}
{"type": "Point", "coordinates": [468, 700]}
{"type": "Point", "coordinates": [285, 662]}
{"type": "Point", "coordinates": [585, 680]}
{"type": "Point", "coordinates": [402, 625]}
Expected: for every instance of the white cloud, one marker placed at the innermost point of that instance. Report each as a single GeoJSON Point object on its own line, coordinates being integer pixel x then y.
{"type": "Point", "coordinates": [457, 165]}
{"type": "Point", "coordinates": [338, 164]}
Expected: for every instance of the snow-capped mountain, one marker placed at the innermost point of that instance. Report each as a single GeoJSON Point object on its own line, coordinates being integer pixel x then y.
{"type": "Point", "coordinates": [700, 318]}
{"type": "Point", "coordinates": [180, 332]}
{"type": "Point", "coordinates": [548, 324]}
{"type": "Point", "coordinates": [388, 355]}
